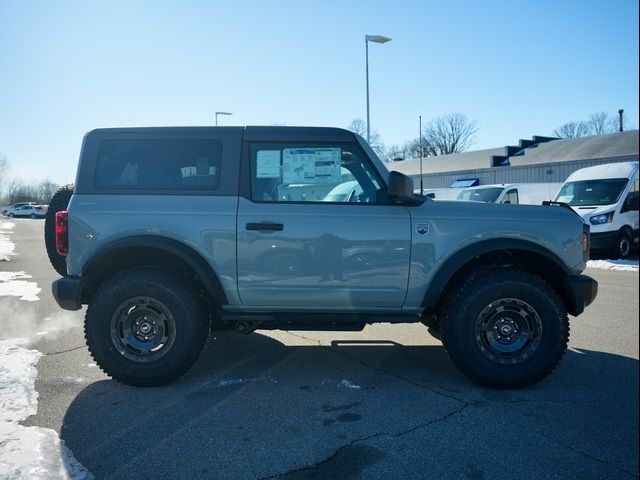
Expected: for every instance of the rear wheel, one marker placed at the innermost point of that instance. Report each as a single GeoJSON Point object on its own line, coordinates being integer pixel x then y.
{"type": "Point", "coordinates": [59, 201]}
{"type": "Point", "coordinates": [144, 327]}
{"type": "Point", "coordinates": [505, 328]}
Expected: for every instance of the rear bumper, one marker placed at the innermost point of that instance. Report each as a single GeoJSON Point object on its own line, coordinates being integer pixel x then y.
{"type": "Point", "coordinates": [582, 291]}
{"type": "Point", "coordinates": [67, 292]}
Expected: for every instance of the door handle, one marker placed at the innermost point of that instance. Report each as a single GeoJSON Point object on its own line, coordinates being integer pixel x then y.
{"type": "Point", "coordinates": [267, 227]}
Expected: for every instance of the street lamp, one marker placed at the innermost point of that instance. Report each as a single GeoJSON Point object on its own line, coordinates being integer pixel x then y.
{"type": "Point", "coordinates": [367, 39]}
{"type": "Point", "coordinates": [221, 113]}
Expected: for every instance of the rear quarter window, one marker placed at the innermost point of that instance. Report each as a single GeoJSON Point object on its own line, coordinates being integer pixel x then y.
{"type": "Point", "coordinates": [171, 164]}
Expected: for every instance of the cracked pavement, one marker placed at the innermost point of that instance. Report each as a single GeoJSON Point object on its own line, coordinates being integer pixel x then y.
{"type": "Point", "coordinates": [382, 403]}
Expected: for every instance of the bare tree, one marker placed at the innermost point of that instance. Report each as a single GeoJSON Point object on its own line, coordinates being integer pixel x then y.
{"type": "Point", "coordinates": [4, 164]}
{"type": "Point", "coordinates": [358, 126]}
{"type": "Point", "coordinates": [451, 133]}
{"type": "Point", "coordinates": [601, 123]}
{"type": "Point", "coordinates": [40, 192]}
{"type": "Point", "coordinates": [16, 191]}
{"type": "Point", "coordinates": [572, 130]}
{"type": "Point", "coordinates": [45, 190]}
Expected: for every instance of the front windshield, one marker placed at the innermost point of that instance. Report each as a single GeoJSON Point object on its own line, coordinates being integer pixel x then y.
{"type": "Point", "coordinates": [487, 195]}
{"type": "Point", "coordinates": [592, 192]}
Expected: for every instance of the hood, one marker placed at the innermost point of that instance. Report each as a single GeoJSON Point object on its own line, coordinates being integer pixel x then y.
{"type": "Point", "coordinates": [587, 212]}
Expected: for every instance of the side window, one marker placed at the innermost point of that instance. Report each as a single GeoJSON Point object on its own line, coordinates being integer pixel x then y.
{"type": "Point", "coordinates": [511, 196]}
{"type": "Point", "coordinates": [631, 202]}
{"type": "Point", "coordinates": [312, 173]}
{"type": "Point", "coordinates": [159, 164]}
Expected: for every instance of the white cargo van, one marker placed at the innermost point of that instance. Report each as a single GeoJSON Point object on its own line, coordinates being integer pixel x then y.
{"type": "Point", "coordinates": [440, 193]}
{"type": "Point", "coordinates": [525, 193]}
{"type": "Point", "coordinates": [606, 197]}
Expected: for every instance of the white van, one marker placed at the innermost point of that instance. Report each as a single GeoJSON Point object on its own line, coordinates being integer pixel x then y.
{"type": "Point", "coordinates": [525, 193]}
{"type": "Point", "coordinates": [440, 193]}
{"type": "Point", "coordinates": [606, 197]}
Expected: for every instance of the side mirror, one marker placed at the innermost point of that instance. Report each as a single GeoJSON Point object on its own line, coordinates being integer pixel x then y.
{"type": "Point", "coordinates": [400, 187]}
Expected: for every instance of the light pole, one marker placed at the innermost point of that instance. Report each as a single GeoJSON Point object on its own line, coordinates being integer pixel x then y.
{"type": "Point", "coordinates": [221, 113]}
{"type": "Point", "coordinates": [367, 39]}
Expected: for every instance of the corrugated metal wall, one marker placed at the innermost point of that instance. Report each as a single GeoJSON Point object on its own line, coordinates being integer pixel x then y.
{"type": "Point", "coordinates": [539, 173]}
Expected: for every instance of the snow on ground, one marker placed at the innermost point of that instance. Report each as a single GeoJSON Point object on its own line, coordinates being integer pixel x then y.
{"type": "Point", "coordinates": [619, 265]}
{"type": "Point", "coordinates": [13, 284]}
{"type": "Point", "coordinates": [6, 245]}
{"type": "Point", "coordinates": [26, 453]}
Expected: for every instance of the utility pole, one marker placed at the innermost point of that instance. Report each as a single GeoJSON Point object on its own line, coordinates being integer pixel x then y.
{"type": "Point", "coordinates": [421, 188]}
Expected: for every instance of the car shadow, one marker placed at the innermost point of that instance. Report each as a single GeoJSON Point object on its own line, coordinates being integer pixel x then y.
{"type": "Point", "coordinates": [252, 405]}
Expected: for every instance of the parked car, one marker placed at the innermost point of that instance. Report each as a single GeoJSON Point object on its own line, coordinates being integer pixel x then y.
{"type": "Point", "coordinates": [522, 193]}
{"type": "Point", "coordinates": [440, 193]}
{"type": "Point", "coordinates": [5, 210]}
{"type": "Point", "coordinates": [606, 197]}
{"type": "Point", "coordinates": [30, 211]}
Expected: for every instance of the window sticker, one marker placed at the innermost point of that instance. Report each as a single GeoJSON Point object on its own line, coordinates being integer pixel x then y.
{"type": "Point", "coordinates": [565, 198]}
{"type": "Point", "coordinates": [268, 164]}
{"type": "Point", "coordinates": [311, 165]}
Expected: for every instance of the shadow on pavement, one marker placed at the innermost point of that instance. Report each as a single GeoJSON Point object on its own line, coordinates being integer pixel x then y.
{"type": "Point", "coordinates": [253, 407]}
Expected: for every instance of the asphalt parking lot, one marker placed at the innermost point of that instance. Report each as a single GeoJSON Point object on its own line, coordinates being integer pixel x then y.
{"type": "Point", "coordinates": [382, 403]}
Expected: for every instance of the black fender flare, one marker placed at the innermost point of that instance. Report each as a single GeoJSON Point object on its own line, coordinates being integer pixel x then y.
{"type": "Point", "coordinates": [186, 253]}
{"type": "Point", "coordinates": [456, 261]}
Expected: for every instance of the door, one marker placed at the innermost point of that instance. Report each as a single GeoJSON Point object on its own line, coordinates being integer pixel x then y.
{"type": "Point", "coordinates": [316, 232]}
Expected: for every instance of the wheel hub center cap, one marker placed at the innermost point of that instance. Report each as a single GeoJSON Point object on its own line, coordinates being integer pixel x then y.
{"type": "Point", "coordinates": [506, 330]}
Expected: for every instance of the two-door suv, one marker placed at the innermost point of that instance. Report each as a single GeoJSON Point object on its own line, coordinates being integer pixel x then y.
{"type": "Point", "coordinates": [172, 232]}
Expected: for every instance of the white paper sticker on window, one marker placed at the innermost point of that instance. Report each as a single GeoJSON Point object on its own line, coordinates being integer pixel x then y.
{"type": "Point", "coordinates": [311, 165]}
{"type": "Point", "coordinates": [268, 164]}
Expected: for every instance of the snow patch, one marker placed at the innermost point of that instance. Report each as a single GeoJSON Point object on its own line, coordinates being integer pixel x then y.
{"type": "Point", "coordinates": [12, 284]}
{"type": "Point", "coordinates": [6, 245]}
{"type": "Point", "coordinates": [347, 384]}
{"type": "Point", "coordinates": [618, 265]}
{"type": "Point", "coordinates": [18, 373]}
{"type": "Point", "coordinates": [32, 453]}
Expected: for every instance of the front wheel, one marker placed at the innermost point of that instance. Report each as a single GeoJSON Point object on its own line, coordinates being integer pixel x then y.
{"type": "Point", "coordinates": [505, 328]}
{"type": "Point", "coordinates": [624, 244]}
{"type": "Point", "coordinates": [144, 327]}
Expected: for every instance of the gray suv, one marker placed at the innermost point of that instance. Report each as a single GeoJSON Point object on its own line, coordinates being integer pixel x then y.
{"type": "Point", "coordinates": [172, 232]}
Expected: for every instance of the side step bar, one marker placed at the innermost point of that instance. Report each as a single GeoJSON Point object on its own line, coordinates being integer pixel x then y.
{"type": "Point", "coordinates": [337, 321]}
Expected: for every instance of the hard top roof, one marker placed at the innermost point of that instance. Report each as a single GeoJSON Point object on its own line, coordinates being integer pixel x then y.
{"type": "Point", "coordinates": [253, 133]}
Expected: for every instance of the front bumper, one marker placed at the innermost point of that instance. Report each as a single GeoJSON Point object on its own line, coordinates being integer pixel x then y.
{"type": "Point", "coordinates": [603, 240]}
{"type": "Point", "coordinates": [582, 291]}
{"type": "Point", "coordinates": [67, 291]}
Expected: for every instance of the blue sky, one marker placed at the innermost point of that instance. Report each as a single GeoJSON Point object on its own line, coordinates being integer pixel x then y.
{"type": "Point", "coordinates": [519, 68]}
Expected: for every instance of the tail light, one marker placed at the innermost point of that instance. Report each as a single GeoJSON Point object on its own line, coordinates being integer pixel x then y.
{"type": "Point", "coordinates": [62, 233]}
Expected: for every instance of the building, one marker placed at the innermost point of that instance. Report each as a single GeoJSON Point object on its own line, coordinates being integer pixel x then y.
{"type": "Point", "coordinates": [539, 160]}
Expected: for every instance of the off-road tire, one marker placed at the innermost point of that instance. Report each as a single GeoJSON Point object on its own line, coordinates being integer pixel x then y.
{"type": "Point", "coordinates": [59, 202]}
{"type": "Point", "coordinates": [112, 302]}
{"type": "Point", "coordinates": [468, 332]}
